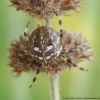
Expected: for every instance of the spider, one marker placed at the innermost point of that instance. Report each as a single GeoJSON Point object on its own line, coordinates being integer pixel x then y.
{"type": "Point", "coordinates": [47, 50]}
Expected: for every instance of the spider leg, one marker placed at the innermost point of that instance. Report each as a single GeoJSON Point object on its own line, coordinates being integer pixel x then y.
{"type": "Point", "coordinates": [81, 68]}
{"type": "Point", "coordinates": [38, 68]}
{"type": "Point", "coordinates": [71, 62]}
{"type": "Point", "coordinates": [35, 77]}
{"type": "Point", "coordinates": [26, 29]}
{"type": "Point", "coordinates": [60, 27]}
{"type": "Point", "coordinates": [25, 36]}
{"type": "Point", "coordinates": [61, 30]}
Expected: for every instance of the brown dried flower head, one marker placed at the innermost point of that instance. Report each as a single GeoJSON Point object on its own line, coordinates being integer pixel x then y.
{"type": "Point", "coordinates": [46, 8]}
{"type": "Point", "coordinates": [45, 51]}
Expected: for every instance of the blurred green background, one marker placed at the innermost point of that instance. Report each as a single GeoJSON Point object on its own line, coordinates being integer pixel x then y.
{"type": "Point", "coordinates": [73, 83]}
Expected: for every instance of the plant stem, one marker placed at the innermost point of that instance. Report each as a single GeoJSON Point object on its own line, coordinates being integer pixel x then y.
{"type": "Point", "coordinates": [47, 22]}
{"type": "Point", "coordinates": [54, 86]}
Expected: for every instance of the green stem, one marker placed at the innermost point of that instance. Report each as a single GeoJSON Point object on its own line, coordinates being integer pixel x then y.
{"type": "Point", "coordinates": [47, 22]}
{"type": "Point", "coordinates": [54, 86]}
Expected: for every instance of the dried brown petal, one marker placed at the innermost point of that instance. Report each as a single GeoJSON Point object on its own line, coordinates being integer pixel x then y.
{"type": "Point", "coordinates": [78, 47]}
{"type": "Point", "coordinates": [70, 5]}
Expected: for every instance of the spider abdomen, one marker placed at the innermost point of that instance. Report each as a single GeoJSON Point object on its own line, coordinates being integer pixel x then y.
{"type": "Point", "coordinates": [45, 43]}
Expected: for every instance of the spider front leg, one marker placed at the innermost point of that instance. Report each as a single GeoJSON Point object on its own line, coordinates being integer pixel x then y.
{"type": "Point", "coordinates": [26, 29]}
{"type": "Point", "coordinates": [25, 37]}
{"type": "Point", "coordinates": [61, 30]}
{"type": "Point", "coordinates": [60, 27]}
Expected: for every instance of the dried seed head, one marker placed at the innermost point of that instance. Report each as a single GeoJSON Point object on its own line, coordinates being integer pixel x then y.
{"type": "Point", "coordinates": [77, 47]}
{"type": "Point", "coordinates": [43, 51]}
{"type": "Point", "coordinates": [46, 8]}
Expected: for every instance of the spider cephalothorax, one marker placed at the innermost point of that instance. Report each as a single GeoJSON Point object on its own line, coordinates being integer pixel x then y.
{"type": "Point", "coordinates": [46, 8]}
{"type": "Point", "coordinates": [46, 51]}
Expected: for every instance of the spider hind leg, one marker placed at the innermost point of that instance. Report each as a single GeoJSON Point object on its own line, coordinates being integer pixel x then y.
{"type": "Point", "coordinates": [35, 77]}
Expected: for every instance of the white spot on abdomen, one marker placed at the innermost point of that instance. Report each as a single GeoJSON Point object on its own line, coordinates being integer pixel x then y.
{"type": "Point", "coordinates": [48, 57]}
{"type": "Point", "coordinates": [36, 48]}
{"type": "Point", "coordinates": [49, 48]}
{"type": "Point", "coordinates": [40, 58]}
{"type": "Point", "coordinates": [41, 37]}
